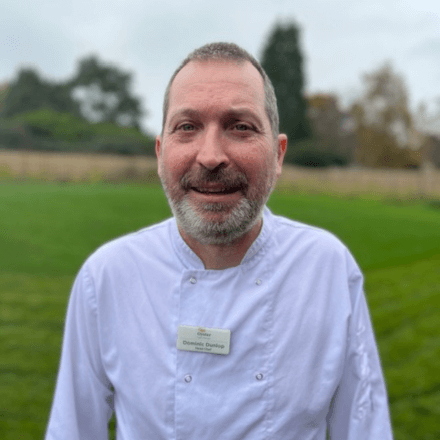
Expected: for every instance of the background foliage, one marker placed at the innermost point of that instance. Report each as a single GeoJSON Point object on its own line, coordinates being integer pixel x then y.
{"type": "Point", "coordinates": [94, 111]}
{"type": "Point", "coordinates": [47, 130]}
{"type": "Point", "coordinates": [377, 129]}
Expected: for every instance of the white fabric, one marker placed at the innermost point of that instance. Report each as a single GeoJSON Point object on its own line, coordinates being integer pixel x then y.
{"type": "Point", "coordinates": [303, 355]}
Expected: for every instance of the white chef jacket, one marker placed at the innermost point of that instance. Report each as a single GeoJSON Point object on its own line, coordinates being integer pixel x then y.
{"type": "Point", "coordinates": [303, 357]}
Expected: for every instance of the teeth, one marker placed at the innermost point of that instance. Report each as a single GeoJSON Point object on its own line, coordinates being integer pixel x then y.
{"type": "Point", "coordinates": [214, 191]}
{"type": "Point", "coordinates": [210, 191]}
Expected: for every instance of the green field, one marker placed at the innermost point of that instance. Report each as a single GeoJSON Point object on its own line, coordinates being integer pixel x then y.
{"type": "Point", "coordinates": [47, 230]}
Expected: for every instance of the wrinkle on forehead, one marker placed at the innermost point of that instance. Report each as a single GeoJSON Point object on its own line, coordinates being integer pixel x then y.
{"type": "Point", "coordinates": [195, 70]}
{"type": "Point", "coordinates": [213, 83]}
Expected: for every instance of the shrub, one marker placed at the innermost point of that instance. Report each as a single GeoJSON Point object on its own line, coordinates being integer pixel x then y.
{"type": "Point", "coordinates": [310, 153]}
{"type": "Point", "coordinates": [47, 130]}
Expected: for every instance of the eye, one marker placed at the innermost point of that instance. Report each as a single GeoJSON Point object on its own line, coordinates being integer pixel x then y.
{"type": "Point", "coordinates": [242, 127]}
{"type": "Point", "coordinates": [186, 127]}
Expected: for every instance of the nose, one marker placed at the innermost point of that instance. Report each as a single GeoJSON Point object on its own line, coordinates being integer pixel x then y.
{"type": "Point", "coordinates": [211, 153]}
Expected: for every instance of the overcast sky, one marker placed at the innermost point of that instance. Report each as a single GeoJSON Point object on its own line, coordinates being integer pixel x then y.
{"type": "Point", "coordinates": [341, 39]}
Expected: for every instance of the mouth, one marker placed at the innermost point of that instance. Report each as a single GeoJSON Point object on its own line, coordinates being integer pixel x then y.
{"type": "Point", "coordinates": [215, 191]}
{"type": "Point", "coordinates": [218, 185]}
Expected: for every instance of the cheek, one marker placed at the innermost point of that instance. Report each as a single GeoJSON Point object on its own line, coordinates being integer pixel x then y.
{"type": "Point", "coordinates": [257, 165]}
{"type": "Point", "coordinates": [174, 166]}
{"type": "Point", "coordinates": [248, 161]}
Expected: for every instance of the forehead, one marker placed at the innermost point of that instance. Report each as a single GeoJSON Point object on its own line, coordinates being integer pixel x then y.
{"type": "Point", "coordinates": [216, 83]}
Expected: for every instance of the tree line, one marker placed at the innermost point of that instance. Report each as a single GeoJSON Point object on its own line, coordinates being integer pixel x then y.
{"type": "Point", "coordinates": [96, 111]}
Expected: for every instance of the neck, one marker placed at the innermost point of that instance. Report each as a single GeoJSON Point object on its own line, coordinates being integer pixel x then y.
{"type": "Point", "coordinates": [222, 256]}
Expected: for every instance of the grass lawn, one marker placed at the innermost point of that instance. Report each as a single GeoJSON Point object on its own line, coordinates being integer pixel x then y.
{"type": "Point", "coordinates": [47, 230]}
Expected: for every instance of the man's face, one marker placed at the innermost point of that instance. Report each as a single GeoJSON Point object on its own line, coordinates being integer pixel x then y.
{"type": "Point", "coordinates": [217, 158]}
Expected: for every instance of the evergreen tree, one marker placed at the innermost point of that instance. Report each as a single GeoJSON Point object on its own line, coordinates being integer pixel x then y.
{"type": "Point", "coordinates": [283, 62]}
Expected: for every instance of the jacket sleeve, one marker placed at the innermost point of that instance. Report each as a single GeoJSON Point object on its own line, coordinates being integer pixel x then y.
{"type": "Point", "coordinates": [82, 404]}
{"type": "Point", "coordinates": [359, 409]}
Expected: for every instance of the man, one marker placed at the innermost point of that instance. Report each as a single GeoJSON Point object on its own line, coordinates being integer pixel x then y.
{"type": "Point", "coordinates": [225, 321]}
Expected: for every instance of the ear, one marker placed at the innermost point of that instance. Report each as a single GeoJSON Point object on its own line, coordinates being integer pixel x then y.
{"type": "Point", "coordinates": [282, 147]}
{"type": "Point", "coordinates": [158, 152]}
{"type": "Point", "coordinates": [158, 145]}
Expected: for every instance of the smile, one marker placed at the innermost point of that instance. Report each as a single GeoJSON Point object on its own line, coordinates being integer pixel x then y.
{"type": "Point", "coordinates": [214, 191]}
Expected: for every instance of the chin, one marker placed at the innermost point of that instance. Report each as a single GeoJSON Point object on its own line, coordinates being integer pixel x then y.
{"type": "Point", "coordinates": [218, 225]}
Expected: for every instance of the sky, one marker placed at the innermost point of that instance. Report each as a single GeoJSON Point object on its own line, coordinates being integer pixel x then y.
{"type": "Point", "coordinates": [341, 40]}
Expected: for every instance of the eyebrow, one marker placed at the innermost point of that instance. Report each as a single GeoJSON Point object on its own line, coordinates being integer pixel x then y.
{"type": "Point", "coordinates": [187, 112]}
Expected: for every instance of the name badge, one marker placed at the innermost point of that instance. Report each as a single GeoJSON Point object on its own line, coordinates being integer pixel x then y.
{"type": "Point", "coordinates": [203, 339]}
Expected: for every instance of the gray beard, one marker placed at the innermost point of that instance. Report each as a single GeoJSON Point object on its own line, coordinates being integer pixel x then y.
{"type": "Point", "coordinates": [240, 221]}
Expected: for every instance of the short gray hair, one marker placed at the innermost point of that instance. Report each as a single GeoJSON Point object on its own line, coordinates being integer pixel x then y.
{"type": "Point", "coordinates": [229, 51]}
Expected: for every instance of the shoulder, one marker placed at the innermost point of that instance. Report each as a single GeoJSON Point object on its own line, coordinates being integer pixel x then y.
{"type": "Point", "coordinates": [293, 239]}
{"type": "Point", "coordinates": [288, 230]}
{"type": "Point", "coordinates": [136, 246]}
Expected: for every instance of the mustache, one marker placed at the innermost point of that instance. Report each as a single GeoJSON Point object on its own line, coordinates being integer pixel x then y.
{"type": "Point", "coordinates": [228, 179]}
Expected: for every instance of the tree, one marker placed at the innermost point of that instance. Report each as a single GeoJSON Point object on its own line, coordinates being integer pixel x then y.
{"type": "Point", "coordinates": [103, 93]}
{"type": "Point", "coordinates": [332, 128]}
{"type": "Point", "coordinates": [385, 129]}
{"type": "Point", "coordinates": [4, 90]}
{"type": "Point", "coordinates": [29, 92]}
{"type": "Point", "coordinates": [283, 62]}
{"type": "Point", "coordinates": [42, 115]}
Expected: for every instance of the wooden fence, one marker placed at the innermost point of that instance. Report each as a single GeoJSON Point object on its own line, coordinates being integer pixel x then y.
{"type": "Point", "coordinates": [76, 166]}
{"type": "Point", "coordinates": [95, 167]}
{"type": "Point", "coordinates": [376, 182]}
